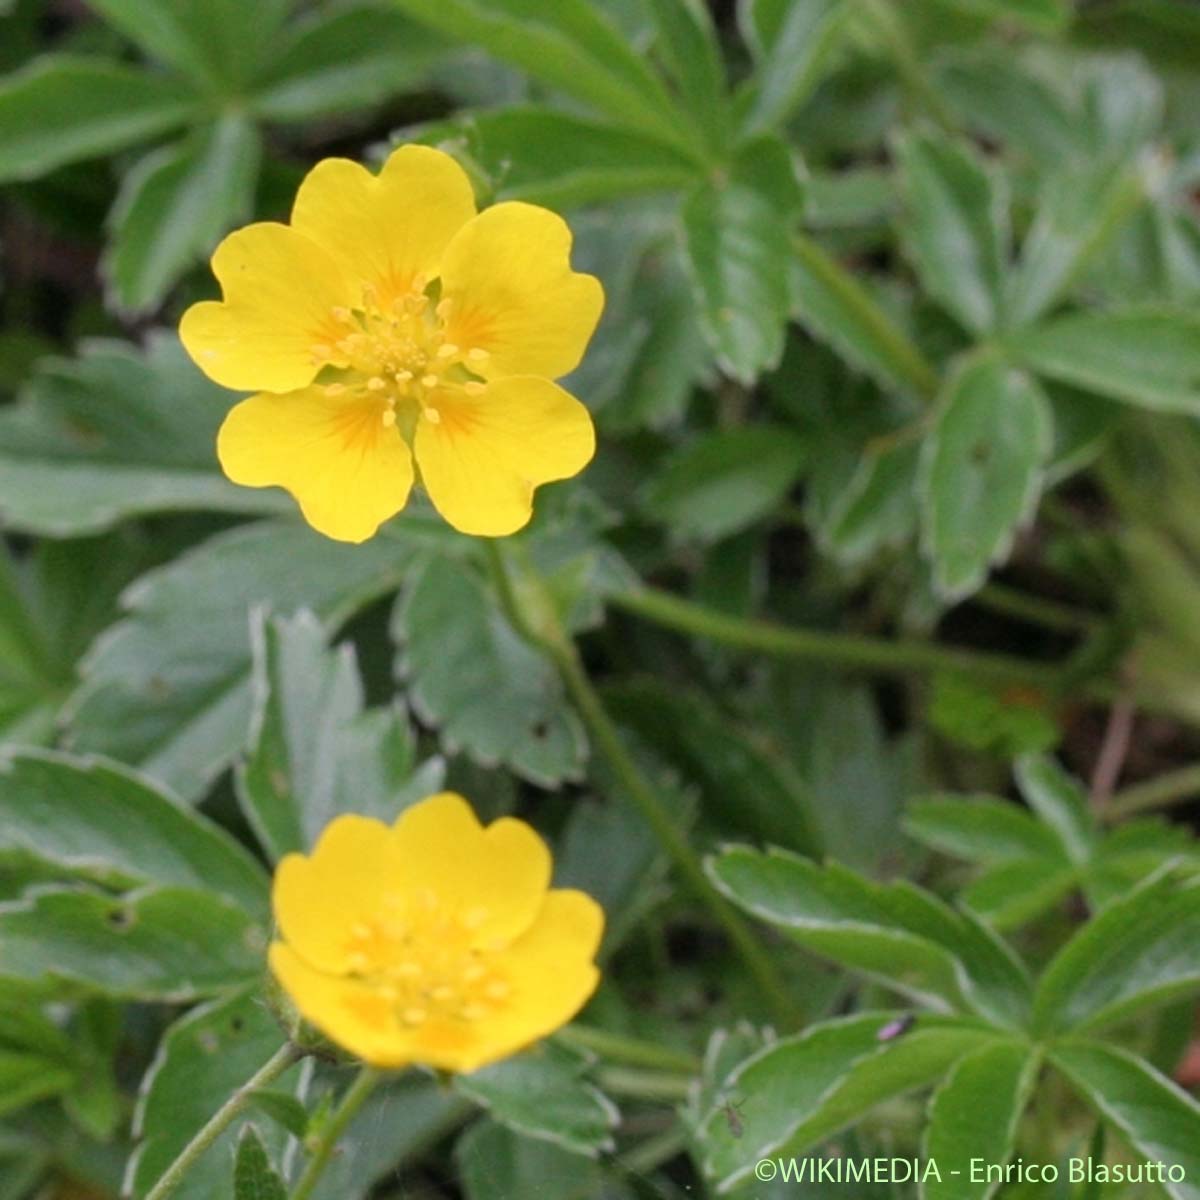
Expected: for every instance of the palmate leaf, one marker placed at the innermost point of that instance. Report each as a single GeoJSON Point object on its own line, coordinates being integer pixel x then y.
{"type": "Point", "coordinates": [471, 675]}
{"type": "Point", "coordinates": [63, 108]}
{"type": "Point", "coordinates": [799, 1091]}
{"type": "Point", "coordinates": [105, 823]}
{"type": "Point", "coordinates": [1141, 952]}
{"type": "Point", "coordinates": [175, 205]}
{"type": "Point", "coordinates": [1155, 1116]}
{"type": "Point", "coordinates": [982, 470]}
{"type": "Point", "coordinates": [974, 1115]}
{"type": "Point", "coordinates": [542, 1094]}
{"type": "Point", "coordinates": [895, 933]}
{"type": "Point", "coordinates": [957, 227]}
{"type": "Point", "coordinates": [116, 433]}
{"type": "Point", "coordinates": [314, 752]}
{"type": "Point", "coordinates": [168, 688]}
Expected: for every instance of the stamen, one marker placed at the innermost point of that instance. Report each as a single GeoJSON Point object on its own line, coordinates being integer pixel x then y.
{"type": "Point", "coordinates": [474, 388]}
{"type": "Point", "coordinates": [478, 354]}
{"type": "Point", "coordinates": [432, 416]}
{"type": "Point", "coordinates": [389, 417]}
{"type": "Point", "coordinates": [376, 384]}
{"type": "Point", "coordinates": [430, 381]}
{"type": "Point", "coordinates": [336, 389]}
{"type": "Point", "coordinates": [496, 990]}
{"type": "Point", "coordinates": [449, 350]}
{"type": "Point", "coordinates": [414, 1016]}
{"type": "Point", "coordinates": [474, 1012]}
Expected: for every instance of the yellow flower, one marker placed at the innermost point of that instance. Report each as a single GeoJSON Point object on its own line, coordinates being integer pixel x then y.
{"type": "Point", "coordinates": [436, 941]}
{"type": "Point", "coordinates": [388, 321]}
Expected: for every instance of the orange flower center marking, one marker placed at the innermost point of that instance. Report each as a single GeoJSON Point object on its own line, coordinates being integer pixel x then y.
{"type": "Point", "coordinates": [399, 354]}
{"type": "Point", "coordinates": [426, 962]}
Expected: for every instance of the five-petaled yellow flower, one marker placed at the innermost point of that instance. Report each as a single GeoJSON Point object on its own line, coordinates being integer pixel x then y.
{"type": "Point", "coordinates": [436, 941]}
{"type": "Point", "coordinates": [390, 322]}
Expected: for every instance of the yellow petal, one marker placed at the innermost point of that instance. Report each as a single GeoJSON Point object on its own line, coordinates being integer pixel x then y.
{"type": "Point", "coordinates": [320, 899]}
{"type": "Point", "coordinates": [389, 228]}
{"type": "Point", "coordinates": [482, 459]}
{"type": "Point", "coordinates": [348, 470]}
{"type": "Point", "coordinates": [494, 877]}
{"type": "Point", "coordinates": [552, 973]}
{"type": "Point", "coordinates": [280, 289]}
{"type": "Point", "coordinates": [512, 293]}
{"type": "Point", "coordinates": [356, 1016]}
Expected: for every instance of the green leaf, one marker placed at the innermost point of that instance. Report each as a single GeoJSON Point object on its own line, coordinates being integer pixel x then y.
{"type": "Point", "coordinates": [1155, 1116]}
{"type": "Point", "coordinates": [570, 46]}
{"type": "Point", "coordinates": [61, 109]}
{"type": "Point", "coordinates": [476, 680]}
{"type": "Point", "coordinates": [982, 829]}
{"type": "Point", "coordinates": [168, 688]}
{"type": "Point", "coordinates": [493, 1163]}
{"type": "Point", "coordinates": [1149, 357]}
{"type": "Point", "coordinates": [1010, 894]}
{"type": "Point", "coordinates": [542, 1094]}
{"type": "Point", "coordinates": [254, 1178]}
{"type": "Point", "coordinates": [1140, 952]}
{"type": "Point", "coordinates": [27, 1078]}
{"type": "Point", "coordinates": [957, 227]}
{"type": "Point", "coordinates": [175, 205]}
{"type": "Point", "coordinates": [691, 53]}
{"type": "Point", "coordinates": [894, 933]}
{"type": "Point", "coordinates": [161, 944]}
{"type": "Point", "coordinates": [103, 822]}
{"type": "Point", "coordinates": [1060, 803]}
{"type": "Point", "coordinates": [794, 63]}
{"type": "Point", "coordinates": [982, 468]}
{"type": "Point", "coordinates": [744, 783]}
{"type": "Point", "coordinates": [999, 719]}
{"type": "Point", "coordinates": [1078, 214]}
{"type": "Point", "coordinates": [313, 752]}
{"type": "Point", "coordinates": [345, 58]}
{"type": "Point", "coordinates": [803, 1089]}
{"type": "Point", "coordinates": [736, 236]}
{"type": "Point", "coordinates": [204, 1057]}
{"type": "Point", "coordinates": [560, 159]}
{"type": "Point", "coordinates": [726, 481]}
{"type": "Point", "coordinates": [837, 310]}
{"type": "Point", "coordinates": [285, 1110]}
{"type": "Point", "coordinates": [974, 1115]}
{"type": "Point", "coordinates": [1043, 16]}
{"type": "Point", "coordinates": [112, 434]}
{"type": "Point", "coordinates": [216, 43]}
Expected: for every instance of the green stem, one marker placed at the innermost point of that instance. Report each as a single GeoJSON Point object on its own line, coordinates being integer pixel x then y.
{"type": "Point", "coordinates": [644, 1085]}
{"type": "Point", "coordinates": [877, 655]}
{"type": "Point", "coordinates": [368, 1079]}
{"type": "Point", "coordinates": [1036, 610]}
{"type": "Point", "coordinates": [908, 64]}
{"type": "Point", "coordinates": [893, 353]}
{"type": "Point", "coordinates": [634, 1052]}
{"type": "Point", "coordinates": [562, 652]}
{"type": "Point", "coordinates": [285, 1057]}
{"type": "Point", "coordinates": [1172, 787]}
{"type": "Point", "coordinates": [653, 1152]}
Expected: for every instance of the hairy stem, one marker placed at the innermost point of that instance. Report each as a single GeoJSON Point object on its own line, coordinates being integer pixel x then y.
{"type": "Point", "coordinates": [285, 1057]}
{"type": "Point", "coordinates": [366, 1082]}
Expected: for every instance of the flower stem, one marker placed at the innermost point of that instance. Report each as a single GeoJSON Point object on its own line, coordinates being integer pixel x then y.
{"type": "Point", "coordinates": [1173, 787]}
{"type": "Point", "coordinates": [561, 650]}
{"type": "Point", "coordinates": [879, 655]}
{"type": "Point", "coordinates": [366, 1082]}
{"type": "Point", "coordinates": [634, 1052]}
{"type": "Point", "coordinates": [285, 1057]}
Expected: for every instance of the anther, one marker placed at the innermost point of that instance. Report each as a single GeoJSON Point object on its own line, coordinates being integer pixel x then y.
{"type": "Point", "coordinates": [408, 970]}
{"type": "Point", "coordinates": [442, 992]}
{"type": "Point", "coordinates": [414, 1016]}
{"type": "Point", "coordinates": [432, 416]}
{"type": "Point", "coordinates": [496, 990]}
{"type": "Point", "coordinates": [336, 389]}
{"type": "Point", "coordinates": [474, 1012]}
{"type": "Point", "coordinates": [430, 381]}
{"type": "Point", "coordinates": [444, 307]}
{"type": "Point", "coordinates": [376, 384]}
{"type": "Point", "coordinates": [474, 388]}
{"type": "Point", "coordinates": [474, 973]}
{"type": "Point", "coordinates": [478, 354]}
{"type": "Point", "coordinates": [449, 350]}
{"type": "Point", "coordinates": [341, 313]}
{"type": "Point", "coordinates": [389, 417]}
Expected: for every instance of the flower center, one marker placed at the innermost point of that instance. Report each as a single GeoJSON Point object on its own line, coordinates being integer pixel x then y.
{"type": "Point", "coordinates": [398, 354]}
{"type": "Point", "coordinates": [426, 963]}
